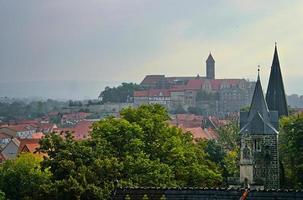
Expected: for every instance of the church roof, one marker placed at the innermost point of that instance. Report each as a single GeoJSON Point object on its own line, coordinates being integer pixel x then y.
{"type": "Point", "coordinates": [210, 58]}
{"type": "Point", "coordinates": [258, 121]}
{"type": "Point", "coordinates": [275, 96]}
{"type": "Point", "coordinates": [258, 103]}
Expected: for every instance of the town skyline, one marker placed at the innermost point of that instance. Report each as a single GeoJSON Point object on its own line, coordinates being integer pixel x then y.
{"type": "Point", "coordinates": [116, 41]}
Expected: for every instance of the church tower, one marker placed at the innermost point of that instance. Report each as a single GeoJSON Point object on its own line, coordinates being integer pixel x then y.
{"type": "Point", "coordinates": [275, 96]}
{"type": "Point", "coordinates": [210, 67]}
{"type": "Point", "coordinates": [259, 161]}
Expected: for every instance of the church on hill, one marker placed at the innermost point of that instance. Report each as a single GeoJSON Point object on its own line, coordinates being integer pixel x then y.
{"type": "Point", "coordinates": [212, 95]}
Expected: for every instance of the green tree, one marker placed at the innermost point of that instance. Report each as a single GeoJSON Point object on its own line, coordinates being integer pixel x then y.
{"type": "Point", "coordinates": [291, 150]}
{"type": "Point", "coordinates": [139, 149]}
{"type": "Point", "coordinates": [22, 178]}
{"type": "Point", "coordinates": [2, 195]}
{"type": "Point", "coordinates": [119, 94]}
{"type": "Point", "coordinates": [145, 197]}
{"type": "Point", "coordinates": [229, 137]}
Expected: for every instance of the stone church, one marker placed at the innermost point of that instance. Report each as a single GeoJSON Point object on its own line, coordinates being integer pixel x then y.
{"type": "Point", "coordinates": [259, 162]}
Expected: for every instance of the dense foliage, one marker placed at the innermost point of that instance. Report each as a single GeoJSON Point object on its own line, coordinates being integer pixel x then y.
{"type": "Point", "coordinates": [138, 149]}
{"type": "Point", "coordinates": [291, 151]}
{"type": "Point", "coordinates": [225, 150]}
{"type": "Point", "coordinates": [22, 178]}
{"type": "Point", "coordinates": [120, 94]}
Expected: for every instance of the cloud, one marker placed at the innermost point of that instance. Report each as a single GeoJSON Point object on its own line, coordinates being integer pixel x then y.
{"type": "Point", "coordinates": [112, 40]}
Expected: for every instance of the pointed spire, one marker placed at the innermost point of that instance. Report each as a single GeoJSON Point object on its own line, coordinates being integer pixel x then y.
{"type": "Point", "coordinates": [210, 58]}
{"type": "Point", "coordinates": [258, 78]}
{"type": "Point", "coordinates": [258, 104]}
{"type": "Point", "coordinates": [275, 95]}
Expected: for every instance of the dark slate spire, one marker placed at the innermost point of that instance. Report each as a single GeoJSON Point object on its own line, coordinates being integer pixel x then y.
{"type": "Point", "coordinates": [275, 96]}
{"type": "Point", "coordinates": [210, 58]}
{"type": "Point", "coordinates": [258, 119]}
{"type": "Point", "coordinates": [258, 103]}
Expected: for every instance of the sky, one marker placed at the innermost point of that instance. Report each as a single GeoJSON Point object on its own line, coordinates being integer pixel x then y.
{"type": "Point", "coordinates": [110, 41]}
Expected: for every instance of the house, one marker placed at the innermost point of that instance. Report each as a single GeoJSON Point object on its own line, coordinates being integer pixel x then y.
{"type": "Point", "coordinates": [6, 134]}
{"type": "Point", "coordinates": [79, 131]}
{"type": "Point", "coordinates": [73, 118]}
{"type": "Point", "coordinates": [28, 145]}
{"type": "Point", "coordinates": [152, 96]}
{"type": "Point", "coordinates": [10, 151]}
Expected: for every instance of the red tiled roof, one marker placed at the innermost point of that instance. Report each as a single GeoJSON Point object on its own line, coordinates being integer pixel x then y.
{"type": "Point", "coordinates": [199, 133]}
{"type": "Point", "coordinates": [194, 84]}
{"type": "Point", "coordinates": [82, 129]}
{"type": "Point", "coordinates": [177, 88]}
{"type": "Point", "coordinates": [143, 93]}
{"type": "Point", "coordinates": [29, 122]}
{"type": "Point", "coordinates": [30, 147]}
{"type": "Point", "coordinates": [187, 120]}
{"type": "Point", "coordinates": [76, 115]}
{"type": "Point", "coordinates": [79, 131]}
{"type": "Point", "coordinates": [28, 144]}
{"type": "Point", "coordinates": [152, 79]}
{"type": "Point", "coordinates": [215, 84]}
{"type": "Point", "coordinates": [38, 135]}
{"type": "Point", "coordinates": [159, 92]}
{"type": "Point", "coordinates": [152, 93]}
{"type": "Point", "coordinates": [21, 127]}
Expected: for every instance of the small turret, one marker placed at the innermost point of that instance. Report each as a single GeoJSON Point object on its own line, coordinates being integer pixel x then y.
{"type": "Point", "coordinates": [210, 67]}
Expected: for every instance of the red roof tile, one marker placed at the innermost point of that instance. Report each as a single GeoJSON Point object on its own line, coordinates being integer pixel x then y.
{"type": "Point", "coordinates": [82, 129]}
{"type": "Point", "coordinates": [199, 133]}
{"type": "Point", "coordinates": [194, 84]}
{"type": "Point", "coordinates": [38, 135]}
{"type": "Point", "coordinates": [141, 93]}
{"type": "Point", "coordinates": [28, 145]}
{"type": "Point", "coordinates": [152, 79]}
{"type": "Point", "coordinates": [21, 127]}
{"type": "Point", "coordinates": [152, 93]}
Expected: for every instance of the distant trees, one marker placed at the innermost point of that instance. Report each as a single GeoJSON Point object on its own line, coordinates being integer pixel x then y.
{"type": "Point", "coordinates": [19, 110]}
{"type": "Point", "coordinates": [291, 150]}
{"type": "Point", "coordinates": [119, 94]}
{"type": "Point", "coordinates": [74, 103]}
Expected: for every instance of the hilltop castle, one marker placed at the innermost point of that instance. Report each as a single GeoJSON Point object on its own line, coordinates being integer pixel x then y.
{"type": "Point", "coordinates": [211, 95]}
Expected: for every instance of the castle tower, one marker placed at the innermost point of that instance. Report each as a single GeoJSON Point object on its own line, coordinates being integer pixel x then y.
{"type": "Point", "coordinates": [210, 67]}
{"type": "Point", "coordinates": [275, 96]}
{"type": "Point", "coordinates": [259, 161]}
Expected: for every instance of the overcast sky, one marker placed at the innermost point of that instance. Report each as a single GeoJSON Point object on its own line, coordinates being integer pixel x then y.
{"type": "Point", "coordinates": [123, 40]}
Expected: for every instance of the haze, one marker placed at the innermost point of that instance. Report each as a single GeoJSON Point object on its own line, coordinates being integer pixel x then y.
{"type": "Point", "coordinates": [94, 43]}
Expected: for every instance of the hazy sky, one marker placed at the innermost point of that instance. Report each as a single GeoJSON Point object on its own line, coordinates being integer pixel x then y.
{"type": "Point", "coordinates": [111, 40]}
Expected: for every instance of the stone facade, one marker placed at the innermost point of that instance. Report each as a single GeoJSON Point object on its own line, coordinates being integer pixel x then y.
{"type": "Point", "coordinates": [259, 162]}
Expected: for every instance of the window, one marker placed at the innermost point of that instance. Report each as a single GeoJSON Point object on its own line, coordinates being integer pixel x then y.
{"type": "Point", "coordinates": [257, 145]}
